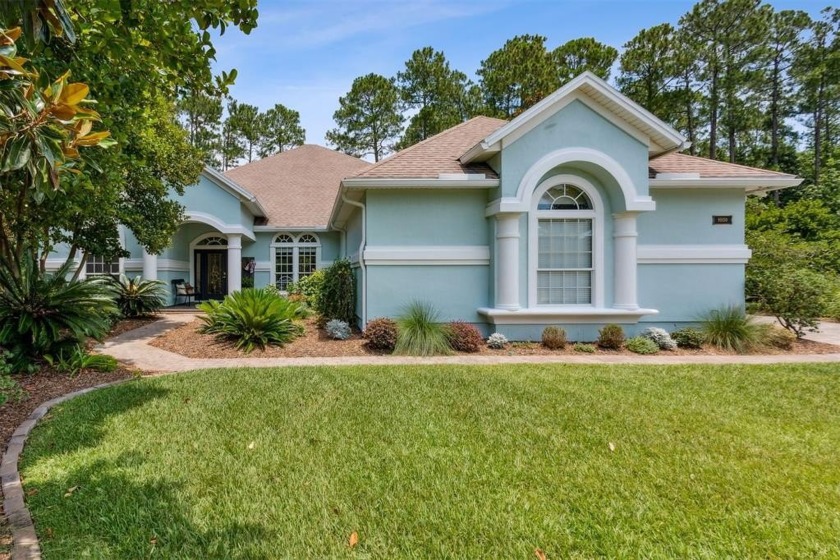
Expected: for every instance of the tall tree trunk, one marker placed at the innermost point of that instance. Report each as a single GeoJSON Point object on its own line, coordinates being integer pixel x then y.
{"type": "Point", "coordinates": [774, 116]}
{"type": "Point", "coordinates": [713, 115]}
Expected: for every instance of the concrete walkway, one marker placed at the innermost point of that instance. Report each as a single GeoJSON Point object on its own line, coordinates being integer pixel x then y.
{"type": "Point", "coordinates": [132, 347]}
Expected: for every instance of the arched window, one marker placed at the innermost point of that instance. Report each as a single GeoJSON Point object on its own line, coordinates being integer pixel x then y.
{"type": "Point", "coordinates": [294, 257]}
{"type": "Point", "coordinates": [563, 226]}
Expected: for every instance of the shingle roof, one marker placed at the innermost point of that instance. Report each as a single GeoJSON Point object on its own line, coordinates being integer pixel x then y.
{"type": "Point", "coordinates": [438, 154]}
{"type": "Point", "coordinates": [708, 168]}
{"type": "Point", "coordinates": [298, 187]}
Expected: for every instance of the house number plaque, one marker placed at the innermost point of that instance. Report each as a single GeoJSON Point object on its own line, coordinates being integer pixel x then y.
{"type": "Point", "coordinates": [721, 220]}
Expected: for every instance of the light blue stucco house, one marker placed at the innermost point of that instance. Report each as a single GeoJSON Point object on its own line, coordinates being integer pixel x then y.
{"type": "Point", "coordinates": [581, 211]}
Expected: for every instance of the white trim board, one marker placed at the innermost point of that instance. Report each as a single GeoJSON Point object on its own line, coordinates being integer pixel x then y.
{"type": "Point", "coordinates": [693, 254]}
{"type": "Point", "coordinates": [571, 314]}
{"type": "Point", "coordinates": [162, 264]}
{"type": "Point", "coordinates": [427, 255]}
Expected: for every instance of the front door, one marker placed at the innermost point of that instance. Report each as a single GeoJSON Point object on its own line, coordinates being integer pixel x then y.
{"type": "Point", "coordinates": [210, 274]}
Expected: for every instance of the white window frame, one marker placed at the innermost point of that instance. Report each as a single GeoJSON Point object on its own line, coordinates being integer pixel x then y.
{"type": "Point", "coordinates": [597, 217]}
{"type": "Point", "coordinates": [296, 246]}
{"type": "Point", "coordinates": [91, 261]}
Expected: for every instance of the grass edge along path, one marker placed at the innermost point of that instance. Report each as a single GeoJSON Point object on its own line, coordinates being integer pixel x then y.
{"type": "Point", "coordinates": [444, 461]}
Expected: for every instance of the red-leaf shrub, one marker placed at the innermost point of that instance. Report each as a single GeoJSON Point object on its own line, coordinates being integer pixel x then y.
{"type": "Point", "coordinates": [464, 337]}
{"type": "Point", "coordinates": [381, 334]}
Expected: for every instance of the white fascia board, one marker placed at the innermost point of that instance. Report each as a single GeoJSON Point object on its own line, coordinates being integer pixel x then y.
{"type": "Point", "coordinates": [420, 183]}
{"type": "Point", "coordinates": [570, 314]}
{"type": "Point", "coordinates": [545, 108]}
{"type": "Point", "coordinates": [237, 190]}
{"type": "Point", "coordinates": [693, 254]}
{"type": "Point", "coordinates": [427, 255]}
{"type": "Point", "coordinates": [751, 184]}
{"type": "Point", "coordinates": [273, 229]}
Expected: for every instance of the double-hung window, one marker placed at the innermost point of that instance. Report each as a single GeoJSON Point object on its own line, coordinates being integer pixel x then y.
{"type": "Point", "coordinates": [565, 225]}
{"type": "Point", "coordinates": [295, 257]}
{"type": "Point", "coordinates": [99, 266]}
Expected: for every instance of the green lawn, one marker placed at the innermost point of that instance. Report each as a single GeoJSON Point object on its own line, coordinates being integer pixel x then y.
{"type": "Point", "coordinates": [445, 462]}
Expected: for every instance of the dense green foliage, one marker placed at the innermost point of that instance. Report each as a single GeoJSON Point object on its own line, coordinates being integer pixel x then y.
{"type": "Point", "coordinates": [688, 337]}
{"type": "Point", "coordinates": [310, 288]}
{"type": "Point", "coordinates": [337, 299]}
{"type": "Point", "coordinates": [42, 313]}
{"type": "Point", "coordinates": [584, 347]}
{"type": "Point", "coordinates": [464, 337]}
{"type": "Point", "coordinates": [611, 337]}
{"type": "Point", "coordinates": [454, 461]}
{"type": "Point", "coordinates": [797, 297]}
{"type": "Point", "coordinates": [420, 332]}
{"type": "Point", "coordinates": [554, 338]}
{"type": "Point", "coordinates": [253, 318]}
{"type": "Point", "coordinates": [728, 328]}
{"type": "Point", "coordinates": [641, 345]}
{"type": "Point", "coordinates": [381, 334]}
{"type": "Point", "coordinates": [136, 297]}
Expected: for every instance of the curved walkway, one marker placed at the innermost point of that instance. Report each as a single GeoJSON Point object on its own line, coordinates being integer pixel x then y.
{"type": "Point", "coordinates": [132, 348]}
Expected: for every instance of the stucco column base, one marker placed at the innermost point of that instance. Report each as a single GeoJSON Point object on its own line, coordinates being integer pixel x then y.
{"type": "Point", "coordinates": [625, 260]}
{"type": "Point", "coordinates": [150, 266]}
{"type": "Point", "coordinates": [234, 262]}
{"type": "Point", "coordinates": [507, 261]}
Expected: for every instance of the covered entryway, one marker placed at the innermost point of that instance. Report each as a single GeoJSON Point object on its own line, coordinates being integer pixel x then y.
{"type": "Point", "coordinates": [210, 267]}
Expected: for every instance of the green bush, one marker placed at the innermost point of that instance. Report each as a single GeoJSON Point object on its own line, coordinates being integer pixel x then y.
{"type": "Point", "coordinates": [798, 297]}
{"type": "Point", "coordinates": [688, 338]}
{"type": "Point", "coordinates": [642, 345]}
{"type": "Point", "coordinates": [728, 328]}
{"type": "Point", "coordinates": [9, 388]}
{"type": "Point", "coordinates": [464, 337]}
{"type": "Point", "coordinates": [310, 287]}
{"type": "Point", "coordinates": [585, 348]}
{"type": "Point", "coordinates": [253, 318]}
{"type": "Point", "coordinates": [554, 338]}
{"type": "Point", "coordinates": [381, 334]}
{"type": "Point", "coordinates": [611, 337]}
{"type": "Point", "coordinates": [73, 361]}
{"type": "Point", "coordinates": [420, 333]}
{"type": "Point", "coordinates": [136, 297]}
{"type": "Point", "coordinates": [41, 313]}
{"type": "Point", "coordinates": [337, 298]}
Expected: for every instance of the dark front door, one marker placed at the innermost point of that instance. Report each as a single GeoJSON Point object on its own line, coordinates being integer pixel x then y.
{"type": "Point", "coordinates": [210, 274]}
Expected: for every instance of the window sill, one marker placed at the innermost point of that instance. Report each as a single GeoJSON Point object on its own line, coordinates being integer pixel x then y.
{"type": "Point", "coordinates": [576, 314]}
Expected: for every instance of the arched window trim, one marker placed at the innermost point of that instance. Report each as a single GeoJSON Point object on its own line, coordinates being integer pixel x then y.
{"type": "Point", "coordinates": [298, 242]}
{"type": "Point", "coordinates": [596, 214]}
{"type": "Point", "coordinates": [201, 242]}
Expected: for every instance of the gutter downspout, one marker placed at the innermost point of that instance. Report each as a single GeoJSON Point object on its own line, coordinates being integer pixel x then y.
{"type": "Point", "coordinates": [361, 255]}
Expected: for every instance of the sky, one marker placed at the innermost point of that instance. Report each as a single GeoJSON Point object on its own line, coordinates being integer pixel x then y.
{"type": "Point", "coordinates": [305, 54]}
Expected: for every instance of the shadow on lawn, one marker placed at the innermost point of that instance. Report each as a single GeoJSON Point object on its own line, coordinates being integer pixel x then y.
{"type": "Point", "coordinates": [110, 514]}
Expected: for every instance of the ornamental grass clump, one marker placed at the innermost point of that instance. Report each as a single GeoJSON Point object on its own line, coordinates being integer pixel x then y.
{"type": "Point", "coordinates": [253, 318]}
{"type": "Point", "coordinates": [464, 337]}
{"type": "Point", "coordinates": [381, 334]}
{"type": "Point", "coordinates": [728, 328]}
{"type": "Point", "coordinates": [136, 297]}
{"type": "Point", "coordinates": [775, 336]}
{"type": "Point", "coordinates": [554, 338]}
{"type": "Point", "coordinates": [611, 337]}
{"type": "Point", "coordinates": [420, 333]}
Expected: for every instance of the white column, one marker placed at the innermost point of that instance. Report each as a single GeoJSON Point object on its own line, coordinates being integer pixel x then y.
{"type": "Point", "coordinates": [150, 266]}
{"type": "Point", "coordinates": [624, 251]}
{"type": "Point", "coordinates": [507, 261]}
{"type": "Point", "coordinates": [234, 262]}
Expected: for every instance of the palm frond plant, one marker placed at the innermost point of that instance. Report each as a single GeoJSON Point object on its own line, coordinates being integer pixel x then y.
{"type": "Point", "coordinates": [41, 312]}
{"type": "Point", "coordinates": [136, 297]}
{"type": "Point", "coordinates": [253, 318]}
{"type": "Point", "coordinates": [420, 332]}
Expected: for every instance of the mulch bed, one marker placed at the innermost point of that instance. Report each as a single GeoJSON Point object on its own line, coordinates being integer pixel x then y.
{"type": "Point", "coordinates": [187, 341]}
{"type": "Point", "coordinates": [126, 325]}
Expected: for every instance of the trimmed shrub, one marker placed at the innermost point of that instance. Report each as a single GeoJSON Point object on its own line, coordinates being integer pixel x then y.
{"type": "Point", "coordinates": [337, 299]}
{"type": "Point", "coordinates": [309, 288]}
{"type": "Point", "coordinates": [381, 334]}
{"type": "Point", "coordinates": [136, 297]}
{"type": "Point", "coordinates": [776, 337]}
{"type": "Point", "coordinates": [661, 337]}
{"type": "Point", "coordinates": [611, 337]}
{"type": "Point", "coordinates": [585, 348]}
{"type": "Point", "coordinates": [728, 328]}
{"type": "Point", "coordinates": [420, 333]}
{"type": "Point", "coordinates": [642, 345]}
{"type": "Point", "coordinates": [42, 313]}
{"type": "Point", "coordinates": [497, 341]}
{"type": "Point", "coordinates": [338, 330]}
{"type": "Point", "coordinates": [554, 338]}
{"type": "Point", "coordinates": [688, 338]}
{"type": "Point", "coordinates": [464, 337]}
{"type": "Point", "coordinates": [798, 298]}
{"type": "Point", "coordinates": [253, 318]}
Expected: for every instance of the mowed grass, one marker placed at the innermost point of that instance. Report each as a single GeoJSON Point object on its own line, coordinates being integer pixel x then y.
{"type": "Point", "coordinates": [445, 462]}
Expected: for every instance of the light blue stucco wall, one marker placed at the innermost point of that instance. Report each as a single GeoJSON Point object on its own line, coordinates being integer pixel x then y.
{"type": "Point", "coordinates": [684, 217]}
{"type": "Point", "coordinates": [209, 198]}
{"type": "Point", "coordinates": [683, 292]}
